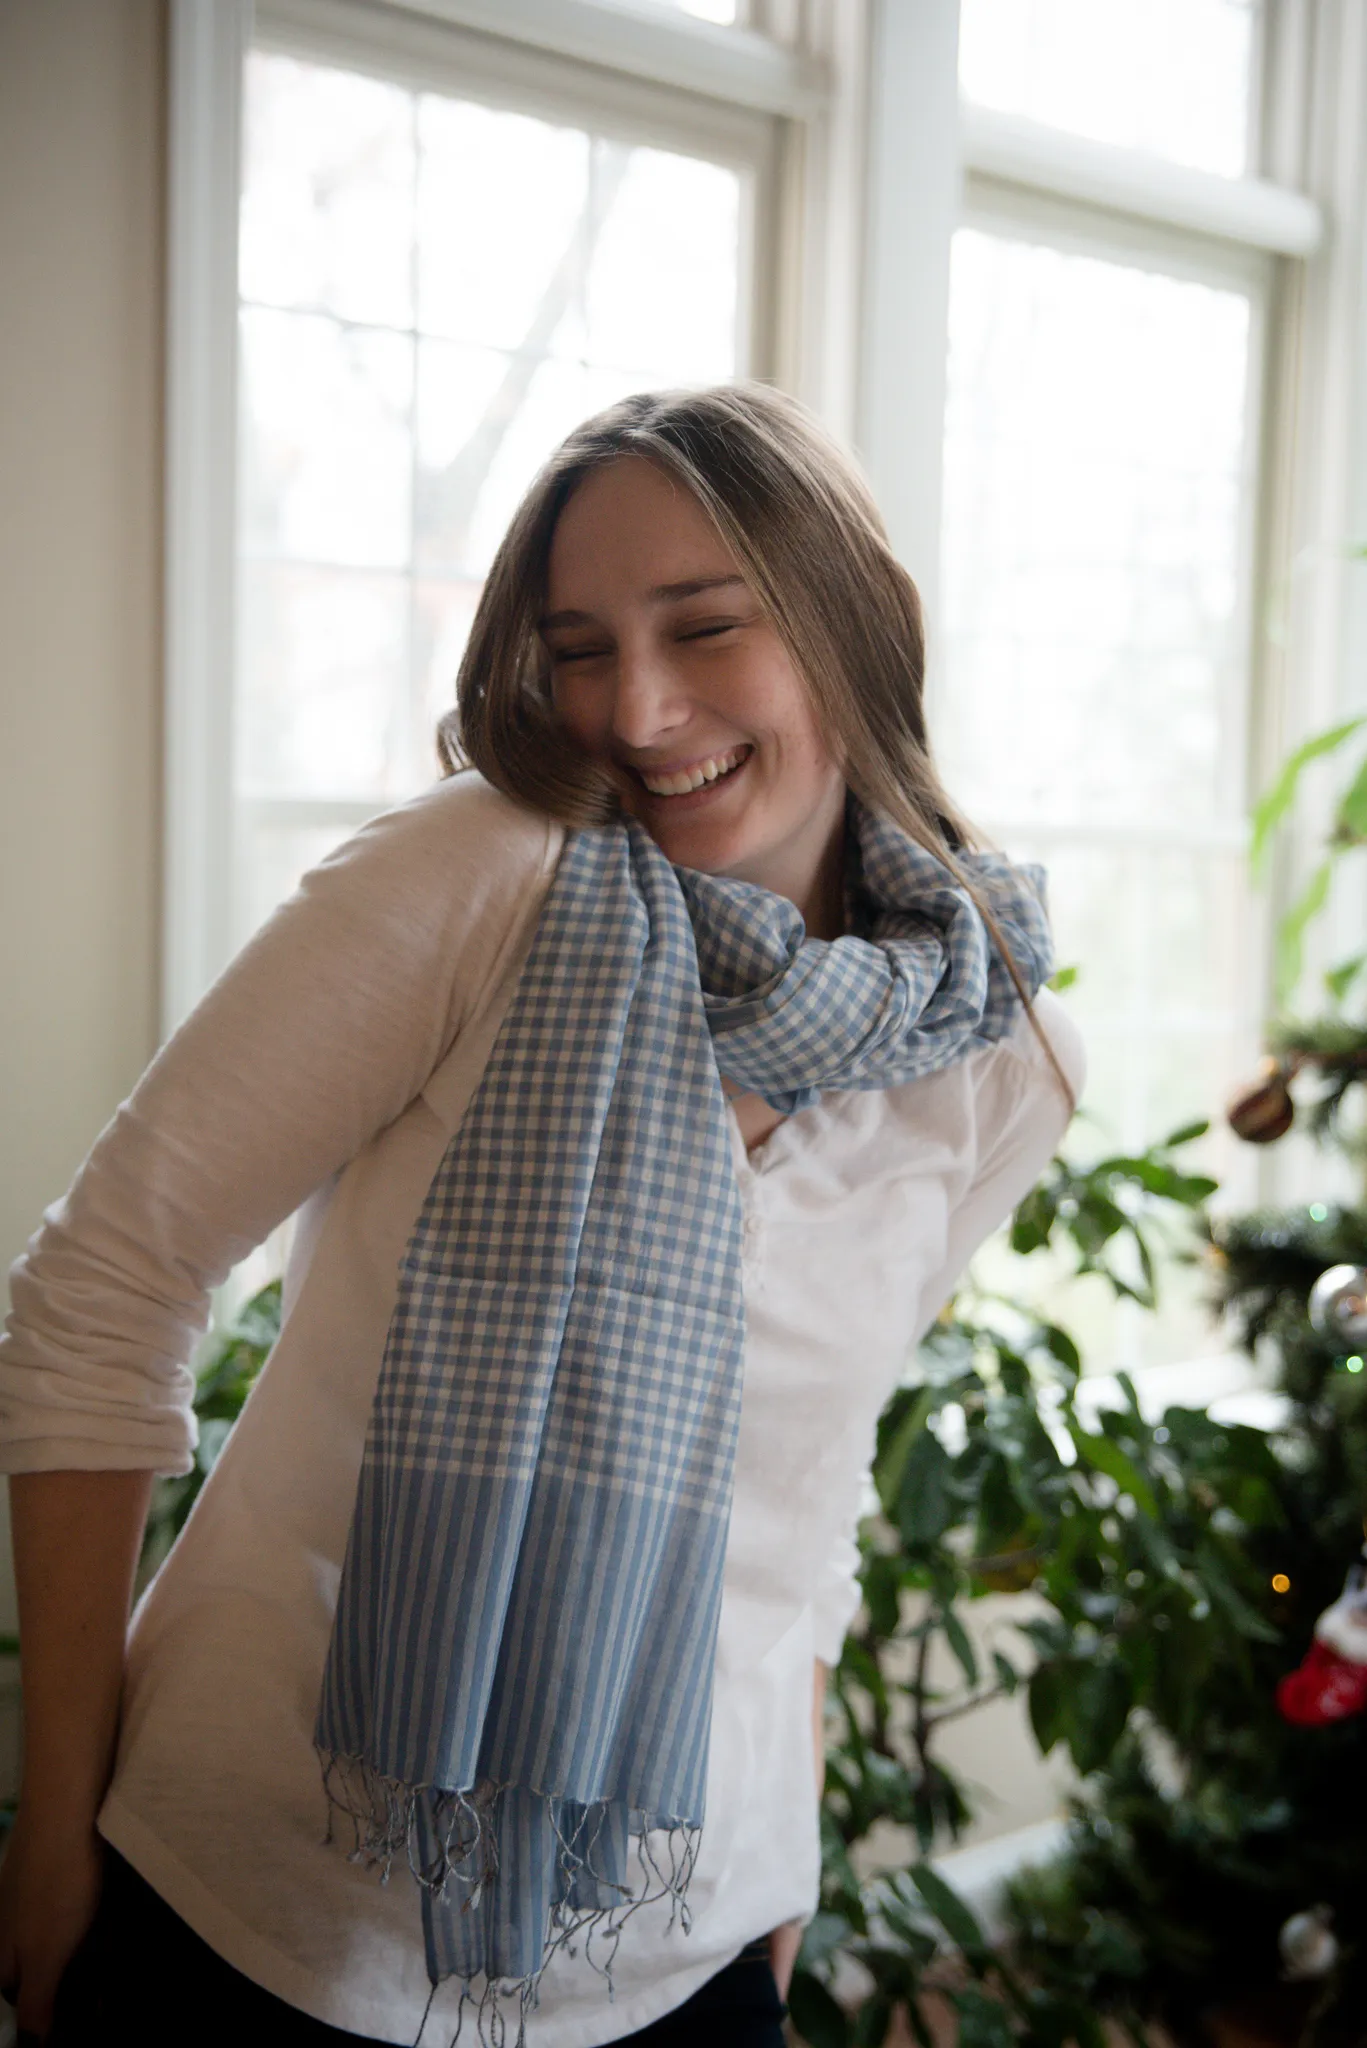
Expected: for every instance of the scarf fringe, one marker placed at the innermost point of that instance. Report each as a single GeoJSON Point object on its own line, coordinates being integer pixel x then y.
{"type": "Point", "coordinates": [383, 1815]}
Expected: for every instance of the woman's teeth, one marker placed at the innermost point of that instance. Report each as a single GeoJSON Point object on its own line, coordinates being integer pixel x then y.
{"type": "Point", "coordinates": [696, 777]}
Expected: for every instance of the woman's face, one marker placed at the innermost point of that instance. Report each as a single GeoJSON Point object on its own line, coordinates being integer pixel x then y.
{"type": "Point", "coordinates": [665, 669]}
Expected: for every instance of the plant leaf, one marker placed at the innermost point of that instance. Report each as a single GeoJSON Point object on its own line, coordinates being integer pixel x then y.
{"type": "Point", "coordinates": [891, 1465]}
{"type": "Point", "coordinates": [1272, 807]}
{"type": "Point", "coordinates": [817, 2017]}
{"type": "Point", "coordinates": [1062, 1348]}
{"type": "Point", "coordinates": [1105, 1456]}
{"type": "Point", "coordinates": [1291, 930]}
{"type": "Point", "coordinates": [961, 1644]}
{"type": "Point", "coordinates": [1184, 1134]}
{"type": "Point", "coordinates": [1047, 1697]}
{"type": "Point", "coordinates": [983, 2022]}
{"type": "Point", "coordinates": [925, 1506]}
{"type": "Point", "coordinates": [1098, 1706]}
{"type": "Point", "coordinates": [1033, 1220]}
{"type": "Point", "coordinates": [1352, 807]}
{"type": "Point", "coordinates": [1340, 979]}
{"type": "Point", "coordinates": [954, 1916]}
{"type": "Point", "coordinates": [1008, 1678]}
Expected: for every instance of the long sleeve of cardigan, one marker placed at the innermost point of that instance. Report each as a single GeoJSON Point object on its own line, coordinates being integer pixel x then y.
{"type": "Point", "coordinates": [321, 1032]}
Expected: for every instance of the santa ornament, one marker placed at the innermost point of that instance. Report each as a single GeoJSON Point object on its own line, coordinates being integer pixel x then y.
{"type": "Point", "coordinates": [1331, 1683]}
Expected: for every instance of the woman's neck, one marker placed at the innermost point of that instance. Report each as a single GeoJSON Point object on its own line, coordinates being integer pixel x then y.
{"type": "Point", "coordinates": [823, 907]}
{"type": "Point", "coordinates": [810, 871]}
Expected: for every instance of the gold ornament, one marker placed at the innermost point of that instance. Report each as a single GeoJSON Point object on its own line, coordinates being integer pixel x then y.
{"type": "Point", "coordinates": [1263, 1112]}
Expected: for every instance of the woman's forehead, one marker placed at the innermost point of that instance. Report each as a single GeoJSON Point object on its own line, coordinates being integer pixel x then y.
{"type": "Point", "coordinates": [631, 529]}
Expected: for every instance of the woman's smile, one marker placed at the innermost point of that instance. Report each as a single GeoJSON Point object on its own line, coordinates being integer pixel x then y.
{"type": "Point", "coordinates": [673, 783]}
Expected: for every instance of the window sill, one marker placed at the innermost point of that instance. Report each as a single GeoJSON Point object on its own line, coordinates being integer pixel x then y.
{"type": "Point", "coordinates": [1228, 1385]}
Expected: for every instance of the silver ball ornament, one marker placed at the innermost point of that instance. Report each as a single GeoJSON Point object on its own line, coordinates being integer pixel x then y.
{"type": "Point", "coordinates": [1308, 1945]}
{"type": "Point", "coordinates": [1338, 1305]}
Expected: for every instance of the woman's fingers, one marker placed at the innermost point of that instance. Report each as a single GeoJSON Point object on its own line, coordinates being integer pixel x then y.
{"type": "Point", "coordinates": [784, 1943]}
{"type": "Point", "coordinates": [49, 1890]}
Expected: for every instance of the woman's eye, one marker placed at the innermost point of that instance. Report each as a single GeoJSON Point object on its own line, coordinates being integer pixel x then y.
{"type": "Point", "coordinates": [709, 632]}
{"type": "Point", "coordinates": [561, 655]}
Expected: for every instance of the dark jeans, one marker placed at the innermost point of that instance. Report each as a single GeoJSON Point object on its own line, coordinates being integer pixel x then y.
{"type": "Point", "coordinates": [141, 1975]}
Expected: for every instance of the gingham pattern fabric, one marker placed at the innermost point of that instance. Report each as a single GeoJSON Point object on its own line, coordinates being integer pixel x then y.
{"type": "Point", "coordinates": [518, 1688]}
{"type": "Point", "coordinates": [795, 1017]}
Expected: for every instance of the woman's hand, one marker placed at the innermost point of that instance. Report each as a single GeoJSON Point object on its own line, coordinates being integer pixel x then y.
{"type": "Point", "coordinates": [76, 1540]}
{"type": "Point", "coordinates": [784, 1943]}
{"type": "Point", "coordinates": [49, 1889]}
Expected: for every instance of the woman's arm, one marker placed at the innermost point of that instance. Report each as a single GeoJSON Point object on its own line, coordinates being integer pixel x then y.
{"type": "Point", "coordinates": [785, 1941]}
{"type": "Point", "coordinates": [76, 1541]}
{"type": "Point", "coordinates": [320, 1034]}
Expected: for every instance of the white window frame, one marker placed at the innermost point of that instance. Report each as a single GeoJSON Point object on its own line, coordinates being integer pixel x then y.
{"type": "Point", "coordinates": [630, 65]}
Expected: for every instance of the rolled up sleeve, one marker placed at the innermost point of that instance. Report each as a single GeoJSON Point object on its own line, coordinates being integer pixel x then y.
{"type": "Point", "coordinates": [319, 1035]}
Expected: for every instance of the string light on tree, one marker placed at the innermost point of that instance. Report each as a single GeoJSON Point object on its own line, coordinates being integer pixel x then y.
{"type": "Point", "coordinates": [1308, 1946]}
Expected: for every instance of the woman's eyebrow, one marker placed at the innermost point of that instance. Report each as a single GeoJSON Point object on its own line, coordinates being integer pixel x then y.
{"type": "Point", "coordinates": [564, 619]}
{"type": "Point", "coordinates": [659, 593]}
{"type": "Point", "coordinates": [690, 587]}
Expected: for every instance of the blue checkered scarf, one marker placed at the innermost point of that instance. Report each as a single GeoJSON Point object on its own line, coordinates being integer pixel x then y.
{"type": "Point", "coordinates": [518, 1688]}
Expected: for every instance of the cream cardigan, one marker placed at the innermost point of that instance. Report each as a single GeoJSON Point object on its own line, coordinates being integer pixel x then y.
{"type": "Point", "coordinates": [326, 1073]}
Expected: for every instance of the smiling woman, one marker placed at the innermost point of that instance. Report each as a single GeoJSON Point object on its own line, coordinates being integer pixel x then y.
{"type": "Point", "coordinates": [646, 1092]}
{"type": "Point", "coordinates": [667, 671]}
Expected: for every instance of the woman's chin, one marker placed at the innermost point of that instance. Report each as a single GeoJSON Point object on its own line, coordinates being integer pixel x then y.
{"type": "Point", "coordinates": [710, 841]}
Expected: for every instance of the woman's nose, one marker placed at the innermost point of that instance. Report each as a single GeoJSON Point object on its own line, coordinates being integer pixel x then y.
{"type": "Point", "coordinates": [649, 703]}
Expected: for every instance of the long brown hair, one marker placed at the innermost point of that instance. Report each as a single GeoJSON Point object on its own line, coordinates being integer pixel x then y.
{"type": "Point", "coordinates": [801, 523]}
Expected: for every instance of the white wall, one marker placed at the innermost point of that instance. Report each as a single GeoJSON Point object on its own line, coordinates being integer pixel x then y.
{"type": "Point", "coordinates": [81, 127]}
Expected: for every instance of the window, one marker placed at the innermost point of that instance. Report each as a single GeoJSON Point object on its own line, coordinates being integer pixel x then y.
{"type": "Point", "coordinates": [1175, 77]}
{"type": "Point", "coordinates": [1100, 443]}
{"type": "Point", "coordinates": [434, 288]}
{"type": "Point", "coordinates": [1101, 498]}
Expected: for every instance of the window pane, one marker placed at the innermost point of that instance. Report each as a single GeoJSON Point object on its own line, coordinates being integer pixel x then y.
{"type": "Point", "coordinates": [1091, 671]}
{"type": "Point", "coordinates": [327, 198]}
{"type": "Point", "coordinates": [325, 432]}
{"type": "Point", "coordinates": [501, 212]}
{"type": "Point", "coordinates": [1097, 469]}
{"type": "Point", "coordinates": [1171, 76]}
{"type": "Point", "coordinates": [317, 716]}
{"type": "Point", "coordinates": [664, 298]}
{"type": "Point", "coordinates": [434, 293]}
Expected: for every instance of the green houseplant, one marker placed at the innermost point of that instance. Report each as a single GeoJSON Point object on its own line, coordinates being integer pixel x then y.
{"type": "Point", "coordinates": [992, 1479]}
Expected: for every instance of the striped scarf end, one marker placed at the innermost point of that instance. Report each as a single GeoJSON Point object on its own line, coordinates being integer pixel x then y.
{"type": "Point", "coordinates": [441, 1835]}
{"type": "Point", "coordinates": [500, 2006]}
